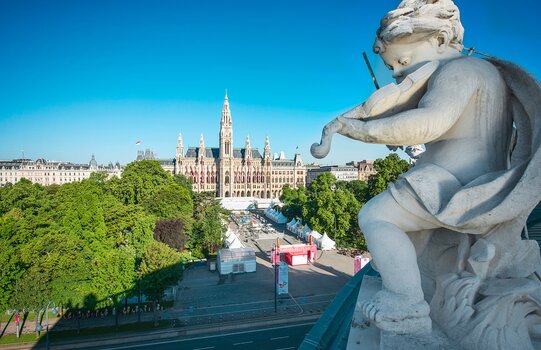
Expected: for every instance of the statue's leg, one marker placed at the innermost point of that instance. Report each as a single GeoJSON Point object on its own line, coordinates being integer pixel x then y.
{"type": "Point", "coordinates": [384, 224]}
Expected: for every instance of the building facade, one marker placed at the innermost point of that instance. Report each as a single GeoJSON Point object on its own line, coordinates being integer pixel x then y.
{"type": "Point", "coordinates": [168, 164]}
{"type": "Point", "coordinates": [349, 172]}
{"type": "Point", "coordinates": [365, 169]}
{"type": "Point", "coordinates": [46, 173]}
{"type": "Point", "coordinates": [237, 172]}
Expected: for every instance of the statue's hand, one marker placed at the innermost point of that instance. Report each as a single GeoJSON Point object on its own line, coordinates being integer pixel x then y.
{"type": "Point", "coordinates": [320, 150]}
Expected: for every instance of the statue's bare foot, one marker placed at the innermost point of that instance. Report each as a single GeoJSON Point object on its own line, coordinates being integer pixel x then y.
{"type": "Point", "coordinates": [397, 312]}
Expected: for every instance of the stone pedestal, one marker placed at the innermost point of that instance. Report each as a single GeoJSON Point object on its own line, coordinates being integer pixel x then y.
{"type": "Point", "coordinates": [366, 336]}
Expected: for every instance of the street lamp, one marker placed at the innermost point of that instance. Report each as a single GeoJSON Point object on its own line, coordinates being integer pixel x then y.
{"type": "Point", "coordinates": [333, 188]}
{"type": "Point", "coordinates": [39, 328]}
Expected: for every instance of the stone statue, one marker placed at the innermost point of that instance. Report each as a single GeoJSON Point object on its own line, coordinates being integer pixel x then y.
{"type": "Point", "coordinates": [446, 237]}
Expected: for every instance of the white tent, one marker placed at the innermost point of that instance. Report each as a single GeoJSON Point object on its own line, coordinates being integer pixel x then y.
{"type": "Point", "coordinates": [232, 240]}
{"type": "Point", "coordinates": [326, 243]}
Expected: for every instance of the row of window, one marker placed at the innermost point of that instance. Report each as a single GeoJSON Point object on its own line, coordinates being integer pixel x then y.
{"type": "Point", "coordinates": [282, 172]}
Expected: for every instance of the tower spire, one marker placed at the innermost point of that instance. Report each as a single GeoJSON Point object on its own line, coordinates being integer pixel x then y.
{"type": "Point", "coordinates": [201, 142]}
{"type": "Point", "coordinates": [226, 131]}
{"type": "Point", "coordinates": [266, 153]}
{"type": "Point", "coordinates": [179, 142]}
{"type": "Point", "coordinates": [226, 112]}
{"type": "Point", "coordinates": [248, 148]}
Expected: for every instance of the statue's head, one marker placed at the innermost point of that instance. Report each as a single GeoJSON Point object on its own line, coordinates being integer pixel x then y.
{"type": "Point", "coordinates": [418, 31]}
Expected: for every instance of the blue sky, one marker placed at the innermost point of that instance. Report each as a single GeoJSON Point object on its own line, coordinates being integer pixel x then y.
{"type": "Point", "coordinates": [83, 77]}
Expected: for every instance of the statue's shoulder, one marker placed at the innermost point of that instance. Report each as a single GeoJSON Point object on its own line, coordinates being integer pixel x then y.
{"type": "Point", "coordinates": [466, 68]}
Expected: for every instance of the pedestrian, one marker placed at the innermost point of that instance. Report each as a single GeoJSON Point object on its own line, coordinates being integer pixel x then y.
{"type": "Point", "coordinates": [17, 322]}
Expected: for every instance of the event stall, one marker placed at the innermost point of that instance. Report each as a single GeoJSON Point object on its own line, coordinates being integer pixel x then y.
{"type": "Point", "coordinates": [237, 260]}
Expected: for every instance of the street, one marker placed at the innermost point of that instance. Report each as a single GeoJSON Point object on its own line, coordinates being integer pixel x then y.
{"type": "Point", "coordinates": [272, 338]}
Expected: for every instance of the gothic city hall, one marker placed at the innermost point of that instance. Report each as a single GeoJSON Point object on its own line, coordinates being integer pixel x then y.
{"type": "Point", "coordinates": [237, 172]}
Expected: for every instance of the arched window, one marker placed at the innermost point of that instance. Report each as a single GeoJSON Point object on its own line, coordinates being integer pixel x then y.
{"type": "Point", "coordinates": [227, 179]}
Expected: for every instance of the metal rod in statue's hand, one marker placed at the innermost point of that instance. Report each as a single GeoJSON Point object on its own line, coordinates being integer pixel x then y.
{"type": "Point", "coordinates": [370, 70]}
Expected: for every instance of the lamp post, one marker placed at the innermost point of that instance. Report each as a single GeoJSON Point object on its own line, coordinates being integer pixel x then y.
{"type": "Point", "coordinates": [39, 328]}
{"type": "Point", "coordinates": [333, 188]}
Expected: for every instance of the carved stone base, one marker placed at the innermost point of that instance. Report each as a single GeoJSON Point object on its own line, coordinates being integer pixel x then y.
{"type": "Point", "coordinates": [365, 335]}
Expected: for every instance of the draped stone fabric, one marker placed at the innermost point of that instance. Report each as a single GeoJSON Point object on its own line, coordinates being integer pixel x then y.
{"type": "Point", "coordinates": [493, 198]}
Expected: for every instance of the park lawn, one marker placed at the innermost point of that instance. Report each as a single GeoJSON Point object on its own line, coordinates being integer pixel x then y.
{"type": "Point", "coordinates": [85, 332]}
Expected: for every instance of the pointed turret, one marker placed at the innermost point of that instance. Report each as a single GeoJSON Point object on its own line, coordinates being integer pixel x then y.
{"type": "Point", "coordinates": [180, 147]}
{"type": "Point", "coordinates": [248, 153]}
{"type": "Point", "coordinates": [201, 142]}
{"type": "Point", "coordinates": [202, 152]}
{"type": "Point", "coordinates": [267, 153]}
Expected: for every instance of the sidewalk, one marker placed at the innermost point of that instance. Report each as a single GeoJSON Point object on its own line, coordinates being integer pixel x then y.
{"type": "Point", "coordinates": [62, 324]}
{"type": "Point", "coordinates": [133, 337]}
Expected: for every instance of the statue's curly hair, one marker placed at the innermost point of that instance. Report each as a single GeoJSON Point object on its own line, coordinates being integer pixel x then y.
{"type": "Point", "coordinates": [421, 17]}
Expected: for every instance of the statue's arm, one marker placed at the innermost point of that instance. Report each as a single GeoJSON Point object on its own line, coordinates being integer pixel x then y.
{"type": "Point", "coordinates": [448, 94]}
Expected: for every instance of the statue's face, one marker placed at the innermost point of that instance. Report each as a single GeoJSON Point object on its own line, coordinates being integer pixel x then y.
{"type": "Point", "coordinates": [404, 57]}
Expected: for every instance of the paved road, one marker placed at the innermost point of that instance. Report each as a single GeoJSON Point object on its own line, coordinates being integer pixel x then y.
{"type": "Point", "coordinates": [273, 338]}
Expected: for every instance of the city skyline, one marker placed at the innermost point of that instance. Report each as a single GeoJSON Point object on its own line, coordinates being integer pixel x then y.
{"type": "Point", "coordinates": [93, 78]}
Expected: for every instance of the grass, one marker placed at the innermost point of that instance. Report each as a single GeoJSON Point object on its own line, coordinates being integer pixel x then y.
{"type": "Point", "coordinates": [85, 332]}
{"type": "Point", "coordinates": [12, 339]}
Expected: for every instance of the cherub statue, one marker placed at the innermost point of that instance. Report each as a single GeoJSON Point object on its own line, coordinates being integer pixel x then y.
{"type": "Point", "coordinates": [478, 178]}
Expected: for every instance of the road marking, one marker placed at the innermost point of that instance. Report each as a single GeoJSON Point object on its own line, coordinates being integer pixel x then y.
{"type": "Point", "coordinates": [284, 337]}
{"type": "Point", "coordinates": [209, 336]}
{"type": "Point", "coordinates": [208, 347]}
{"type": "Point", "coordinates": [244, 342]}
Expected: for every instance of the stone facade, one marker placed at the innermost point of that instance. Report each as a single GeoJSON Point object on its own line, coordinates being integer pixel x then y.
{"type": "Point", "coordinates": [365, 168]}
{"type": "Point", "coordinates": [46, 173]}
{"type": "Point", "coordinates": [349, 172]}
{"type": "Point", "coordinates": [237, 172]}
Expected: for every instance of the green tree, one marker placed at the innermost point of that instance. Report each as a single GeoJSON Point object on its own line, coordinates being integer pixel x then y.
{"type": "Point", "coordinates": [387, 171]}
{"type": "Point", "coordinates": [23, 195]}
{"type": "Point", "coordinates": [113, 274]}
{"type": "Point", "coordinates": [32, 291]}
{"type": "Point", "coordinates": [127, 225]}
{"type": "Point", "coordinates": [358, 188]}
{"type": "Point", "coordinates": [294, 201]}
{"type": "Point", "coordinates": [10, 273]}
{"type": "Point", "coordinates": [170, 201]}
{"type": "Point", "coordinates": [160, 268]}
{"type": "Point", "coordinates": [78, 211]}
{"type": "Point", "coordinates": [139, 181]}
{"type": "Point", "coordinates": [184, 181]}
{"type": "Point", "coordinates": [332, 210]}
{"type": "Point", "coordinates": [206, 234]}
